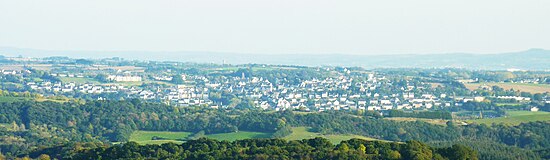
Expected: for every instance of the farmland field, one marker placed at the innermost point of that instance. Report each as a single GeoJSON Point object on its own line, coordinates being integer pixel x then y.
{"type": "Point", "coordinates": [45, 67]}
{"type": "Point", "coordinates": [516, 117]}
{"type": "Point", "coordinates": [145, 137]}
{"type": "Point", "coordinates": [12, 99]}
{"type": "Point", "coordinates": [435, 85]}
{"type": "Point", "coordinates": [509, 104]}
{"type": "Point", "coordinates": [525, 87]}
{"type": "Point", "coordinates": [409, 119]}
{"type": "Point", "coordinates": [299, 133]}
{"type": "Point", "coordinates": [41, 99]}
{"type": "Point", "coordinates": [78, 80]}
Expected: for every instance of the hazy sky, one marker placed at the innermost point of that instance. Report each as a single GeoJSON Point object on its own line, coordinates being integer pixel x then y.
{"type": "Point", "coordinates": [277, 26]}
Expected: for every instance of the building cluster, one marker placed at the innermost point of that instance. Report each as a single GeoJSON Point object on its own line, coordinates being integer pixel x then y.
{"type": "Point", "coordinates": [368, 91]}
{"type": "Point", "coordinates": [124, 78]}
{"type": "Point", "coordinates": [340, 93]}
{"type": "Point", "coordinates": [90, 88]}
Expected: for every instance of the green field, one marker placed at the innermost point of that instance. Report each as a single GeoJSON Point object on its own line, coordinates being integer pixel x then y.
{"type": "Point", "coordinates": [79, 80]}
{"type": "Point", "coordinates": [12, 99]}
{"type": "Point", "coordinates": [144, 137]}
{"type": "Point", "coordinates": [127, 84]}
{"type": "Point", "coordinates": [516, 117]}
{"type": "Point", "coordinates": [238, 135]}
{"type": "Point", "coordinates": [525, 87]}
{"type": "Point", "coordinates": [508, 104]}
{"type": "Point", "coordinates": [427, 120]}
{"type": "Point", "coordinates": [299, 133]}
{"type": "Point", "coordinates": [18, 99]}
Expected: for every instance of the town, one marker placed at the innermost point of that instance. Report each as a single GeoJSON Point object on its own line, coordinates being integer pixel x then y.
{"type": "Point", "coordinates": [269, 87]}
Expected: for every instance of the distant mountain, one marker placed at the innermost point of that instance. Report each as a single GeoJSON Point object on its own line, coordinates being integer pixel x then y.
{"type": "Point", "coordinates": [533, 59]}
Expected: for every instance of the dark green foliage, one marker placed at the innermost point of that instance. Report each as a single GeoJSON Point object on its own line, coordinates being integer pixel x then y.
{"type": "Point", "coordinates": [44, 124]}
{"type": "Point", "coordinates": [317, 148]}
{"type": "Point", "coordinates": [102, 78]}
{"type": "Point", "coordinates": [543, 153]}
{"type": "Point", "coordinates": [491, 150]}
{"type": "Point", "coordinates": [177, 79]}
{"type": "Point", "coordinates": [421, 114]}
{"type": "Point", "coordinates": [546, 107]}
{"type": "Point", "coordinates": [115, 121]}
{"type": "Point", "coordinates": [84, 62]}
{"type": "Point", "coordinates": [493, 142]}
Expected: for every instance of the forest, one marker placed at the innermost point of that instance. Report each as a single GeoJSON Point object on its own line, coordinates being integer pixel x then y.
{"type": "Point", "coordinates": [316, 148]}
{"type": "Point", "coordinates": [31, 126]}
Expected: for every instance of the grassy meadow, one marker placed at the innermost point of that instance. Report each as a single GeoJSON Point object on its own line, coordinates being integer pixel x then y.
{"type": "Point", "coordinates": [299, 133]}
{"type": "Point", "coordinates": [525, 87]}
{"type": "Point", "coordinates": [516, 118]}
{"type": "Point", "coordinates": [12, 99]}
{"type": "Point", "coordinates": [145, 137]}
{"type": "Point", "coordinates": [78, 80]}
{"type": "Point", "coordinates": [409, 119]}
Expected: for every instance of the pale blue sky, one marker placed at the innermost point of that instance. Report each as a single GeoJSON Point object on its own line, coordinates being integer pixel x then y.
{"type": "Point", "coordinates": [278, 26]}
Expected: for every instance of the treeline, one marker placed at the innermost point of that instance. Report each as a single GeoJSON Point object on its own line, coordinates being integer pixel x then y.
{"type": "Point", "coordinates": [546, 107]}
{"type": "Point", "coordinates": [46, 124]}
{"type": "Point", "coordinates": [29, 76]}
{"type": "Point", "coordinates": [421, 114]}
{"type": "Point", "coordinates": [492, 150]}
{"type": "Point", "coordinates": [115, 121]}
{"type": "Point", "coordinates": [524, 137]}
{"type": "Point", "coordinates": [317, 148]}
{"type": "Point", "coordinates": [26, 94]}
{"type": "Point", "coordinates": [530, 136]}
{"type": "Point", "coordinates": [499, 109]}
{"type": "Point", "coordinates": [334, 122]}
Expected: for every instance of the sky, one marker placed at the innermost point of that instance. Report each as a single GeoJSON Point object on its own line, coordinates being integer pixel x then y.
{"type": "Point", "coordinates": [364, 27]}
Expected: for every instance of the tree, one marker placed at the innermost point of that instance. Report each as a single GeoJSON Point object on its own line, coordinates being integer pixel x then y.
{"type": "Point", "coordinates": [537, 97]}
{"type": "Point", "coordinates": [14, 126]}
{"type": "Point", "coordinates": [248, 148]}
{"type": "Point", "coordinates": [84, 62]}
{"type": "Point", "coordinates": [362, 148]}
{"type": "Point", "coordinates": [102, 78]}
{"type": "Point", "coordinates": [393, 155]}
{"type": "Point", "coordinates": [461, 152]}
{"type": "Point", "coordinates": [44, 157]}
{"type": "Point", "coordinates": [234, 102]}
{"type": "Point", "coordinates": [177, 79]}
{"type": "Point", "coordinates": [418, 151]}
{"type": "Point", "coordinates": [22, 127]}
{"type": "Point", "coordinates": [343, 147]}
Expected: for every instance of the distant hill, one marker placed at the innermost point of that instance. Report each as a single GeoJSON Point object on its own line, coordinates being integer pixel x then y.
{"type": "Point", "coordinates": [533, 59]}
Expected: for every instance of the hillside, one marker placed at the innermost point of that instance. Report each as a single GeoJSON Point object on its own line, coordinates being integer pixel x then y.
{"type": "Point", "coordinates": [533, 59]}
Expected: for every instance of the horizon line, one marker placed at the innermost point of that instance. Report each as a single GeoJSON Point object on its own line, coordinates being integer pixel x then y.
{"type": "Point", "coordinates": [264, 54]}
